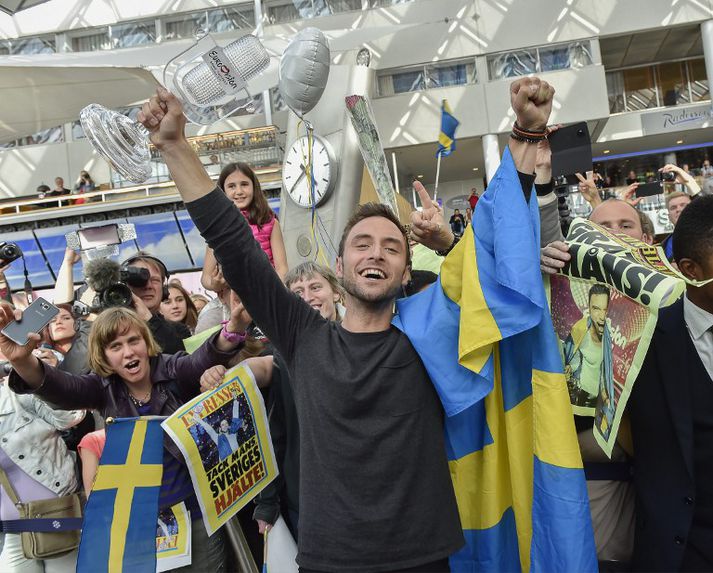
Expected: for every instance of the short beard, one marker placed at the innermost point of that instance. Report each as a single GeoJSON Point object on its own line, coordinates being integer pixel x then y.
{"type": "Point", "coordinates": [377, 300]}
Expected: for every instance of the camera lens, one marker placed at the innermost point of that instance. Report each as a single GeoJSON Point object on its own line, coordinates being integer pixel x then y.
{"type": "Point", "coordinates": [116, 295]}
{"type": "Point", "coordinates": [45, 306]}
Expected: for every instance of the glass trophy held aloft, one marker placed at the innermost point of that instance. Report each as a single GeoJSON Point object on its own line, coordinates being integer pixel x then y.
{"type": "Point", "coordinates": [211, 83]}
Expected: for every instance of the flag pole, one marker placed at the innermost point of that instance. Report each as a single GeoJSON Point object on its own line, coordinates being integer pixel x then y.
{"type": "Point", "coordinates": [438, 174]}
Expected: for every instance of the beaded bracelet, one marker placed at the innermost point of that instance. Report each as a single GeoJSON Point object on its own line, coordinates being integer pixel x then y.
{"type": "Point", "coordinates": [527, 136]}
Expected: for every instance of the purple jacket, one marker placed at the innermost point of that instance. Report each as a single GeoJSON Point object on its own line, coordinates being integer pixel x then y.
{"type": "Point", "coordinates": [175, 376]}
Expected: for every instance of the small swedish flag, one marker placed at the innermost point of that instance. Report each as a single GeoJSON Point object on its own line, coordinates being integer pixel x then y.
{"type": "Point", "coordinates": [447, 136]}
{"type": "Point", "coordinates": [119, 532]}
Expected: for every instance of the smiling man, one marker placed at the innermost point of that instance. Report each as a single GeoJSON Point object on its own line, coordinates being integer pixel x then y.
{"type": "Point", "coordinates": [375, 488]}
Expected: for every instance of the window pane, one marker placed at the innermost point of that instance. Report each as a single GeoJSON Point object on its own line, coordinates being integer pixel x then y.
{"type": "Point", "coordinates": [615, 90]}
{"type": "Point", "coordinates": [402, 82]}
{"type": "Point", "coordinates": [451, 75]}
{"type": "Point", "coordinates": [33, 46]}
{"type": "Point", "coordinates": [133, 34]}
{"type": "Point", "coordinates": [98, 41]}
{"type": "Point", "coordinates": [698, 80]}
{"type": "Point", "coordinates": [554, 58]}
{"type": "Point", "coordinates": [672, 84]}
{"type": "Point", "coordinates": [345, 5]}
{"type": "Point", "coordinates": [512, 64]}
{"type": "Point", "coordinates": [579, 54]}
{"type": "Point", "coordinates": [184, 27]}
{"type": "Point", "coordinates": [640, 89]}
{"type": "Point", "coordinates": [378, 3]}
{"type": "Point", "coordinates": [227, 19]}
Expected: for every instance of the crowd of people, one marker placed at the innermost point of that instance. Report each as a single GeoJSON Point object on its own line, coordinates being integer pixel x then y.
{"type": "Point", "coordinates": [84, 184]}
{"type": "Point", "coordinates": [347, 393]}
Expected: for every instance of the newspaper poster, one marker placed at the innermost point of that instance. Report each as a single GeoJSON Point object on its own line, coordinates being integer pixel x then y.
{"type": "Point", "coordinates": [604, 308]}
{"type": "Point", "coordinates": [173, 538]}
{"type": "Point", "coordinates": [224, 437]}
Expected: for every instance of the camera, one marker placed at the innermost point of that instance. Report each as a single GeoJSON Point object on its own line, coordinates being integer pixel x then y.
{"type": "Point", "coordinates": [667, 176]}
{"type": "Point", "coordinates": [9, 252]}
{"type": "Point", "coordinates": [112, 283]}
{"type": "Point", "coordinates": [135, 276]}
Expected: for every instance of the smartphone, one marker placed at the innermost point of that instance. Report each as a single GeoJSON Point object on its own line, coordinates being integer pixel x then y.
{"type": "Point", "coordinates": [649, 189]}
{"type": "Point", "coordinates": [571, 151]}
{"type": "Point", "coordinates": [34, 318]}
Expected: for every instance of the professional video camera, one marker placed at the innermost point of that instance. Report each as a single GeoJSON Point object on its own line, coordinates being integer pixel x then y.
{"type": "Point", "coordinates": [111, 284]}
{"type": "Point", "coordinates": [9, 252]}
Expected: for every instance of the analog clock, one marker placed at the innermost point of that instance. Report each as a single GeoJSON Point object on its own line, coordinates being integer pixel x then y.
{"type": "Point", "coordinates": [294, 172]}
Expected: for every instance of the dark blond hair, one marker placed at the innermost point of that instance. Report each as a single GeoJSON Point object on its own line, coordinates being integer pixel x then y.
{"type": "Point", "coordinates": [308, 269]}
{"type": "Point", "coordinates": [110, 324]}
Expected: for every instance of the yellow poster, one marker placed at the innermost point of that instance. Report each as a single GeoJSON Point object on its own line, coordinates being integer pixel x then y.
{"type": "Point", "coordinates": [225, 439]}
{"type": "Point", "coordinates": [173, 538]}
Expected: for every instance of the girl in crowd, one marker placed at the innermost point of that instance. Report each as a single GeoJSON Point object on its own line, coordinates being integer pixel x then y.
{"type": "Point", "coordinates": [199, 301]}
{"type": "Point", "coordinates": [179, 306]}
{"type": "Point", "coordinates": [239, 182]}
{"type": "Point", "coordinates": [131, 378]}
{"type": "Point", "coordinates": [38, 466]}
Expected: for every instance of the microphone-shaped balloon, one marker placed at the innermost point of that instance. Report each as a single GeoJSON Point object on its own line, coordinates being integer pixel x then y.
{"type": "Point", "coordinates": [100, 274]}
{"type": "Point", "coordinates": [225, 71]}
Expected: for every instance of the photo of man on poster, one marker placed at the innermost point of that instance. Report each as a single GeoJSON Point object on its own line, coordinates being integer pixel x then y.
{"type": "Point", "coordinates": [587, 352]}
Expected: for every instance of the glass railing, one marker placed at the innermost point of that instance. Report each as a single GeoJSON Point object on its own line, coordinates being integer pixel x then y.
{"type": "Point", "coordinates": [661, 85]}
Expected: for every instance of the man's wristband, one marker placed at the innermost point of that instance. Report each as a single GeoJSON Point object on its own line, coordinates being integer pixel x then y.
{"type": "Point", "coordinates": [232, 337]}
{"type": "Point", "coordinates": [444, 252]}
{"type": "Point", "coordinates": [526, 135]}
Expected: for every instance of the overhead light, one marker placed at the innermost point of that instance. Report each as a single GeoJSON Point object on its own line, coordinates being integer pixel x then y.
{"type": "Point", "coordinates": [419, 176]}
{"type": "Point", "coordinates": [679, 142]}
{"type": "Point", "coordinates": [606, 151]}
{"type": "Point", "coordinates": [475, 169]}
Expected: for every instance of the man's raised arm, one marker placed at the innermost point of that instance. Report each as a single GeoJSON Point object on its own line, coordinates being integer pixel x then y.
{"type": "Point", "coordinates": [246, 268]}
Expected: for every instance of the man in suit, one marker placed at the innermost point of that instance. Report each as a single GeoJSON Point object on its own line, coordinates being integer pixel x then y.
{"type": "Point", "coordinates": [671, 414]}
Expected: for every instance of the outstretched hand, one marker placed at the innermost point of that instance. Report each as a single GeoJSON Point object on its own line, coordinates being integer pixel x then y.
{"type": "Point", "coordinates": [629, 195]}
{"type": "Point", "coordinates": [588, 189]}
{"type": "Point", "coordinates": [212, 378]}
{"type": "Point", "coordinates": [163, 117]}
{"type": "Point", "coordinates": [12, 351]}
{"type": "Point", "coordinates": [240, 319]}
{"type": "Point", "coordinates": [428, 225]}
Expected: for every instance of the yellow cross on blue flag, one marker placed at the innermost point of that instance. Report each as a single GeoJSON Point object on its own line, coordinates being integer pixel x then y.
{"type": "Point", "coordinates": [485, 335]}
{"type": "Point", "coordinates": [119, 530]}
{"type": "Point", "coordinates": [447, 135]}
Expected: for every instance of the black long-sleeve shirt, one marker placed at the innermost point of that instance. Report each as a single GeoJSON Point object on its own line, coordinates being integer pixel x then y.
{"type": "Point", "coordinates": [375, 490]}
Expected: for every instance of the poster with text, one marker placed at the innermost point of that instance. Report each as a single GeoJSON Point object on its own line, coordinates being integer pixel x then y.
{"type": "Point", "coordinates": [173, 538]}
{"type": "Point", "coordinates": [604, 309]}
{"type": "Point", "coordinates": [224, 437]}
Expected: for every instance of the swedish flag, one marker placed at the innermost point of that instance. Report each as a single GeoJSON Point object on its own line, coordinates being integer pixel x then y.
{"type": "Point", "coordinates": [447, 136]}
{"type": "Point", "coordinates": [119, 530]}
{"type": "Point", "coordinates": [485, 336]}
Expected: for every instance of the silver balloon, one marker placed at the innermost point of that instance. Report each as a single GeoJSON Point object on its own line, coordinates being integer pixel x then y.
{"type": "Point", "coordinates": [304, 70]}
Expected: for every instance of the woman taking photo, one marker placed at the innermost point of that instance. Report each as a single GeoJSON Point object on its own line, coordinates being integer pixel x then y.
{"type": "Point", "coordinates": [179, 306]}
{"type": "Point", "coordinates": [129, 377]}
{"type": "Point", "coordinates": [69, 336]}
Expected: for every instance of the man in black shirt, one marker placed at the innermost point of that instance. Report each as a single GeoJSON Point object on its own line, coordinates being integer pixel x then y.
{"type": "Point", "coordinates": [147, 304]}
{"type": "Point", "coordinates": [375, 490]}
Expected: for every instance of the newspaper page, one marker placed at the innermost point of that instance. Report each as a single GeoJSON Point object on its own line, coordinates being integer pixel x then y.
{"type": "Point", "coordinates": [225, 439]}
{"type": "Point", "coordinates": [173, 538]}
{"type": "Point", "coordinates": [604, 308]}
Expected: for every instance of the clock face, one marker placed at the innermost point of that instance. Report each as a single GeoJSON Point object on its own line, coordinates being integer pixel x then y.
{"type": "Point", "coordinates": [294, 171]}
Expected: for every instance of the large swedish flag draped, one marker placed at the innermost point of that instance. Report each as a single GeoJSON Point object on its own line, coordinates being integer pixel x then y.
{"type": "Point", "coordinates": [119, 530]}
{"type": "Point", "coordinates": [447, 135]}
{"type": "Point", "coordinates": [485, 336]}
